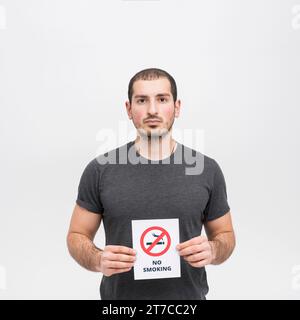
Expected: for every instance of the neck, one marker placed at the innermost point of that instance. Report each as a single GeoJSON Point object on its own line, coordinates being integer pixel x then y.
{"type": "Point", "coordinates": [155, 148]}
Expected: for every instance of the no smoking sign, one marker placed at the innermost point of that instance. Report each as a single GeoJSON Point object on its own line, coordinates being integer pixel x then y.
{"type": "Point", "coordinates": [155, 241]}
{"type": "Point", "coordinates": [160, 243]}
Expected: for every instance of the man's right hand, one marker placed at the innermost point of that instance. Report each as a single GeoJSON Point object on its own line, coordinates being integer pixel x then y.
{"type": "Point", "coordinates": [116, 259]}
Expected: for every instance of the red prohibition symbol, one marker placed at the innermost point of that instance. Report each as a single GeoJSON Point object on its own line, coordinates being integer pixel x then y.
{"type": "Point", "coordinates": [164, 232]}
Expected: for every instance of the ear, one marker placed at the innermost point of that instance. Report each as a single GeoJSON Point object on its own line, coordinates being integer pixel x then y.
{"type": "Point", "coordinates": [177, 108]}
{"type": "Point", "coordinates": [128, 109]}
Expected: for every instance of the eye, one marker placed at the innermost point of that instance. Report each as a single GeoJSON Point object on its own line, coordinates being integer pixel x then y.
{"type": "Point", "coordinates": [140, 101]}
{"type": "Point", "coordinates": [163, 99]}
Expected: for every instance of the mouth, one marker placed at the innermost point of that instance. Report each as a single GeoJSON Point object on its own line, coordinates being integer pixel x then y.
{"type": "Point", "coordinates": [152, 122]}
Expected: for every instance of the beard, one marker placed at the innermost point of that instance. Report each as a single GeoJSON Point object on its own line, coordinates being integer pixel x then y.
{"type": "Point", "coordinates": [155, 132]}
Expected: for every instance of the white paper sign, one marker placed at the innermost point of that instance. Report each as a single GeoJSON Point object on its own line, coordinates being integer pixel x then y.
{"type": "Point", "coordinates": [155, 242]}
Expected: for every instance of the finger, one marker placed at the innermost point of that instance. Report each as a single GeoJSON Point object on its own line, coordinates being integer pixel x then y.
{"type": "Point", "coordinates": [197, 257]}
{"type": "Point", "coordinates": [120, 257]}
{"type": "Point", "coordinates": [199, 264]}
{"type": "Point", "coordinates": [196, 240]}
{"type": "Point", "coordinates": [118, 265]}
{"type": "Point", "coordinates": [204, 246]}
{"type": "Point", "coordinates": [121, 249]}
{"type": "Point", "coordinates": [114, 271]}
{"type": "Point", "coordinates": [190, 250]}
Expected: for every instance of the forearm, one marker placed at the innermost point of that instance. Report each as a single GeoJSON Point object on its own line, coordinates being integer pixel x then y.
{"type": "Point", "coordinates": [84, 251]}
{"type": "Point", "coordinates": [222, 247]}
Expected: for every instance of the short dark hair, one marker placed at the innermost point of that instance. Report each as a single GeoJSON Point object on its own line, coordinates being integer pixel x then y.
{"type": "Point", "coordinates": [152, 74]}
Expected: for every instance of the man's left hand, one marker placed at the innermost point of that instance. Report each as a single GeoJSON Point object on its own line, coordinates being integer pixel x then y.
{"type": "Point", "coordinates": [198, 251]}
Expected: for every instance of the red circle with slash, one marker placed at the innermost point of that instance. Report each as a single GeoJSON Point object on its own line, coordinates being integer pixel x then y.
{"type": "Point", "coordinates": [148, 250]}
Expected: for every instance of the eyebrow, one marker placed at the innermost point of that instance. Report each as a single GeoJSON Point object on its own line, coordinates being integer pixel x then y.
{"type": "Point", "coordinates": [145, 96]}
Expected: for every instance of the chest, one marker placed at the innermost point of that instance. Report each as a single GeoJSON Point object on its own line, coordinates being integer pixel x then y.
{"type": "Point", "coordinates": [152, 191]}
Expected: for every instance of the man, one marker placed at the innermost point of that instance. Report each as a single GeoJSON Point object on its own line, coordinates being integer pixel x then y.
{"type": "Point", "coordinates": [153, 188]}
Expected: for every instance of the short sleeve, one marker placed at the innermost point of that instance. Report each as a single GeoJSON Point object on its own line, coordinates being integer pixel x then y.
{"type": "Point", "coordinates": [88, 195]}
{"type": "Point", "coordinates": [217, 205]}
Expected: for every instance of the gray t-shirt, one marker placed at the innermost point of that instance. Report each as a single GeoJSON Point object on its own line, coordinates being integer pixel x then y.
{"type": "Point", "coordinates": [187, 185]}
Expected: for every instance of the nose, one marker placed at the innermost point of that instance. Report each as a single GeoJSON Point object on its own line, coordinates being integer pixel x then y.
{"type": "Point", "coordinates": [152, 109]}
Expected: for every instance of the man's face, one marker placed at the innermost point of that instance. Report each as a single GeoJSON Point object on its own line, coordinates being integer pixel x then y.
{"type": "Point", "coordinates": [152, 108]}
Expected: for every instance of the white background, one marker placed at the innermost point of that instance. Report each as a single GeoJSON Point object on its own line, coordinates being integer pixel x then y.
{"type": "Point", "coordinates": [64, 71]}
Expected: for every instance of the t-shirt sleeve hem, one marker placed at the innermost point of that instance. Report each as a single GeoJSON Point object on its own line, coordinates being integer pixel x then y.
{"type": "Point", "coordinates": [219, 214]}
{"type": "Point", "coordinates": [88, 206]}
